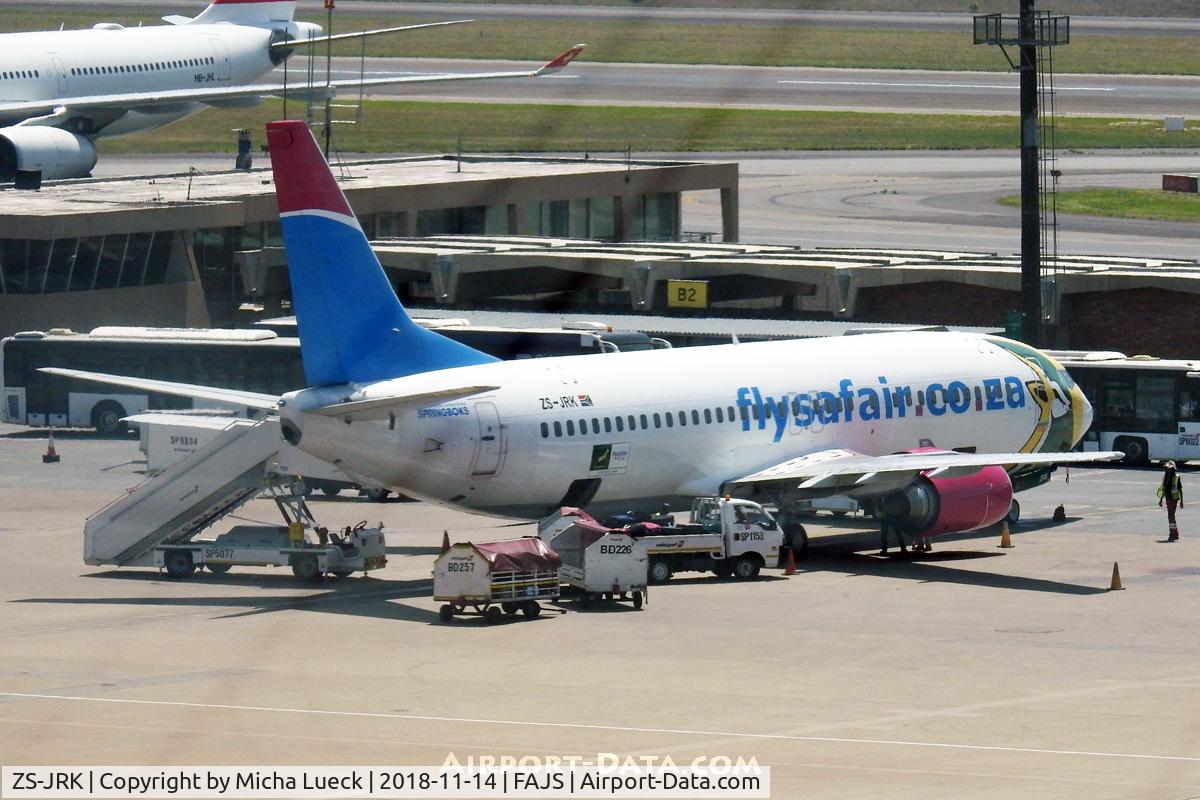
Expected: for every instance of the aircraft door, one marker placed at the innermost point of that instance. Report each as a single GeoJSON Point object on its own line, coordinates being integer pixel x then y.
{"type": "Point", "coordinates": [61, 73]}
{"type": "Point", "coordinates": [491, 440]}
{"type": "Point", "coordinates": [220, 58]}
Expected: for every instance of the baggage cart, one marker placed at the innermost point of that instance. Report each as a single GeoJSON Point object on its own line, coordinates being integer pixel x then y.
{"type": "Point", "coordinates": [495, 578]}
{"type": "Point", "coordinates": [601, 564]}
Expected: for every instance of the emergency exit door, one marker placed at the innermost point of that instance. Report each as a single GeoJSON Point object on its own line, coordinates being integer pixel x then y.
{"type": "Point", "coordinates": [491, 441]}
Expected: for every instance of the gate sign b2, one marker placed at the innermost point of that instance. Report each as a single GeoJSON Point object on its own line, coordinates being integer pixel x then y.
{"type": "Point", "coordinates": [687, 294]}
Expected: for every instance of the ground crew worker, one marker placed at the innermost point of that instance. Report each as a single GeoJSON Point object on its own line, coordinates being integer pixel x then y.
{"type": "Point", "coordinates": [1171, 490]}
{"type": "Point", "coordinates": [884, 525]}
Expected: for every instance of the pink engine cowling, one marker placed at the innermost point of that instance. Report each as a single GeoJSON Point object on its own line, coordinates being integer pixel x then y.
{"type": "Point", "coordinates": [929, 506]}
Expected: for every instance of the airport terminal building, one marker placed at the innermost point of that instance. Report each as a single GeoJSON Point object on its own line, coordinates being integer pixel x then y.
{"type": "Point", "coordinates": [189, 249]}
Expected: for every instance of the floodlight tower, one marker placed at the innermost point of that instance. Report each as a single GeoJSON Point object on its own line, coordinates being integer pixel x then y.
{"type": "Point", "coordinates": [1028, 32]}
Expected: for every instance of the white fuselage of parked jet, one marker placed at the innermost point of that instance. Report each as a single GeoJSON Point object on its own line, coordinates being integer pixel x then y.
{"type": "Point", "coordinates": [663, 425]}
{"type": "Point", "coordinates": [53, 65]}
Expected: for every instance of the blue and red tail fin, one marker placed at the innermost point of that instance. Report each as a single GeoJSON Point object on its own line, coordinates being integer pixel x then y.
{"type": "Point", "coordinates": [352, 327]}
{"type": "Point", "coordinates": [247, 12]}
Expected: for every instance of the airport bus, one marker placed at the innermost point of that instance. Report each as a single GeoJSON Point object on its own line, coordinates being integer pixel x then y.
{"type": "Point", "coordinates": [1148, 408]}
{"type": "Point", "coordinates": [258, 360]}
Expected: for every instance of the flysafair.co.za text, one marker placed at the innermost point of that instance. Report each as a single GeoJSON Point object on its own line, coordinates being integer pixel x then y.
{"type": "Point", "coordinates": [866, 403]}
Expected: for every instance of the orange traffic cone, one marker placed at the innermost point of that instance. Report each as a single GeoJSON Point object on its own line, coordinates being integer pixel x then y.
{"type": "Point", "coordinates": [1116, 579]}
{"type": "Point", "coordinates": [790, 565]}
{"type": "Point", "coordinates": [445, 541]}
{"type": "Point", "coordinates": [1005, 539]}
{"type": "Point", "coordinates": [50, 456]}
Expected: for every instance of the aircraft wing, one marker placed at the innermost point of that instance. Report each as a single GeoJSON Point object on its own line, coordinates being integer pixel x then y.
{"type": "Point", "coordinates": [380, 407]}
{"type": "Point", "coordinates": [60, 108]}
{"type": "Point", "coordinates": [263, 402]}
{"type": "Point", "coordinates": [849, 473]}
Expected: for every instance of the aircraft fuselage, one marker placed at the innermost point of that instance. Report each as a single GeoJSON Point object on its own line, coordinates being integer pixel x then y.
{"type": "Point", "coordinates": [704, 415]}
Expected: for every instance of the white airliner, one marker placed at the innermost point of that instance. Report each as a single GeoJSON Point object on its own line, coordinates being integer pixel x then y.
{"type": "Point", "coordinates": [927, 425]}
{"type": "Point", "coordinates": [61, 90]}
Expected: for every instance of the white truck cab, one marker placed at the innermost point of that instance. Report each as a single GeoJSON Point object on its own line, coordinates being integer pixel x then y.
{"type": "Point", "coordinates": [726, 536]}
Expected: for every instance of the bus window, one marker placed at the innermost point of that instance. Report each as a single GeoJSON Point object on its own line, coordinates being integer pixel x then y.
{"type": "Point", "coordinates": [1116, 398]}
{"type": "Point", "coordinates": [1156, 402]}
{"type": "Point", "coordinates": [1189, 400]}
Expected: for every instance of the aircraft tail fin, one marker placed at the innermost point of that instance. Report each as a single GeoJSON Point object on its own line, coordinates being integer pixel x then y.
{"type": "Point", "coordinates": [352, 327]}
{"type": "Point", "coordinates": [247, 12]}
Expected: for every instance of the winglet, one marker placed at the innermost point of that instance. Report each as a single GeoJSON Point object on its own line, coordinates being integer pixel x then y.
{"type": "Point", "coordinates": [561, 61]}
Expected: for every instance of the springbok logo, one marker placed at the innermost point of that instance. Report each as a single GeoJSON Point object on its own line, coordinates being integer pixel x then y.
{"type": "Point", "coordinates": [1053, 393]}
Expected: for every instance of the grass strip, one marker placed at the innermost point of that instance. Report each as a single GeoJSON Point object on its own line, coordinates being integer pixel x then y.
{"type": "Point", "coordinates": [703, 43]}
{"type": "Point", "coordinates": [422, 127]}
{"type": "Point", "coordinates": [1126, 204]}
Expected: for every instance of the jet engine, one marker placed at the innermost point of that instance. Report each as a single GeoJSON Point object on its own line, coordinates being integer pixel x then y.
{"type": "Point", "coordinates": [55, 152]}
{"type": "Point", "coordinates": [933, 505]}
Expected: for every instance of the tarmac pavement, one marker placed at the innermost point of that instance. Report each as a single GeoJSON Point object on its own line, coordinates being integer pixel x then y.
{"type": "Point", "coordinates": [969, 672]}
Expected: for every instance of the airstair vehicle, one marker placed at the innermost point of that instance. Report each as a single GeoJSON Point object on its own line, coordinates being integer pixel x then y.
{"type": "Point", "coordinates": [157, 522]}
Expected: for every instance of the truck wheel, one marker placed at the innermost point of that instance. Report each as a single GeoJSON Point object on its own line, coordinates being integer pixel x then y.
{"type": "Point", "coordinates": [510, 608]}
{"type": "Point", "coordinates": [342, 573]}
{"type": "Point", "coordinates": [330, 489]}
{"type": "Point", "coordinates": [795, 536]}
{"type": "Point", "coordinates": [446, 613]}
{"type": "Point", "coordinates": [660, 570]}
{"type": "Point", "coordinates": [1014, 513]}
{"type": "Point", "coordinates": [531, 608]}
{"type": "Point", "coordinates": [723, 569]}
{"type": "Point", "coordinates": [218, 569]}
{"type": "Point", "coordinates": [106, 418]}
{"type": "Point", "coordinates": [305, 567]}
{"type": "Point", "coordinates": [746, 567]}
{"type": "Point", "coordinates": [637, 600]}
{"type": "Point", "coordinates": [179, 564]}
{"type": "Point", "coordinates": [376, 495]}
{"type": "Point", "coordinates": [493, 615]}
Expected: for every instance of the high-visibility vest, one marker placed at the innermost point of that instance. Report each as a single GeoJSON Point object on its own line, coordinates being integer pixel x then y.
{"type": "Point", "coordinates": [1176, 489]}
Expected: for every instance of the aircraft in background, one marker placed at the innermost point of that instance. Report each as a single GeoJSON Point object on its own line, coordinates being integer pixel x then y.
{"type": "Point", "coordinates": [927, 425]}
{"type": "Point", "coordinates": [61, 90]}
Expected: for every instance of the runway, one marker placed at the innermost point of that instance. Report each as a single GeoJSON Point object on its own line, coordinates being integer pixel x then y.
{"type": "Point", "coordinates": [635, 14]}
{"type": "Point", "coordinates": [936, 200]}
{"type": "Point", "coordinates": [812, 88]}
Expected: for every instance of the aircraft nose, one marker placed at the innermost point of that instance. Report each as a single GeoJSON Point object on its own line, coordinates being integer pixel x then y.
{"type": "Point", "coordinates": [1081, 411]}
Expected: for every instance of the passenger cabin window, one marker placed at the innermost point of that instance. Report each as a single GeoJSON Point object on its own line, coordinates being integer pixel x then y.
{"type": "Point", "coordinates": [682, 418]}
{"type": "Point", "coordinates": [545, 430]}
{"type": "Point", "coordinates": [620, 424]}
{"type": "Point", "coordinates": [595, 425]}
{"type": "Point", "coordinates": [720, 416]}
{"type": "Point", "coordinates": [570, 428]}
{"type": "Point", "coordinates": [657, 421]}
{"type": "Point", "coordinates": [707, 416]}
{"type": "Point", "coordinates": [670, 420]}
{"type": "Point", "coordinates": [558, 429]}
{"type": "Point", "coordinates": [607, 425]}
